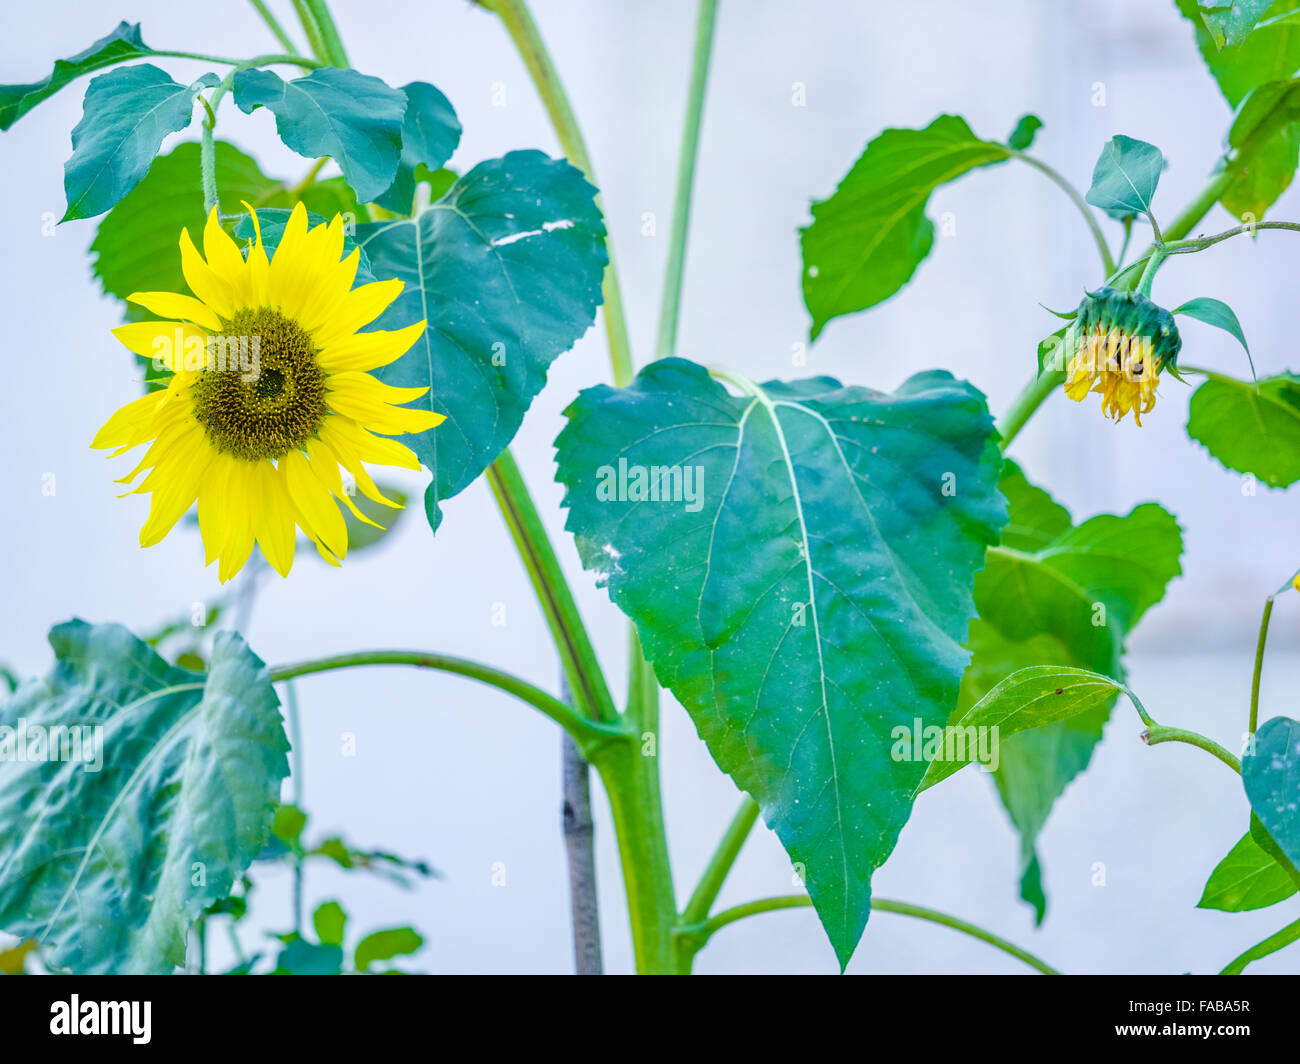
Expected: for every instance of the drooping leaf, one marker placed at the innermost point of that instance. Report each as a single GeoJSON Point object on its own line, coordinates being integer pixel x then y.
{"type": "Point", "coordinates": [1217, 313]}
{"type": "Point", "coordinates": [127, 115]}
{"type": "Point", "coordinates": [385, 945]}
{"type": "Point", "coordinates": [1029, 698]}
{"type": "Point", "coordinates": [802, 584]}
{"type": "Point", "coordinates": [1248, 878]}
{"type": "Point", "coordinates": [1125, 177]}
{"type": "Point", "coordinates": [1054, 594]}
{"type": "Point", "coordinates": [1270, 772]}
{"type": "Point", "coordinates": [430, 133]}
{"type": "Point", "coordinates": [352, 117]}
{"type": "Point", "coordinates": [867, 239]}
{"type": "Point", "coordinates": [1023, 135]}
{"type": "Point", "coordinates": [329, 920]}
{"type": "Point", "coordinates": [109, 868]}
{"type": "Point", "coordinates": [506, 269]}
{"type": "Point", "coordinates": [1268, 54]}
{"type": "Point", "coordinates": [1250, 428]}
{"type": "Point", "coordinates": [122, 44]}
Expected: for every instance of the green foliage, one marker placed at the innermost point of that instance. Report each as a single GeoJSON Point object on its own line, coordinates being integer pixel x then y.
{"type": "Point", "coordinates": [130, 854]}
{"type": "Point", "coordinates": [1055, 594]}
{"type": "Point", "coordinates": [1248, 878]}
{"type": "Point", "coordinates": [355, 119]}
{"type": "Point", "coordinates": [1230, 23]}
{"type": "Point", "coordinates": [123, 43]}
{"type": "Point", "coordinates": [1251, 428]}
{"type": "Point", "coordinates": [128, 113]}
{"type": "Point", "coordinates": [385, 945]}
{"type": "Point", "coordinates": [430, 133]}
{"type": "Point", "coordinates": [506, 269]}
{"type": "Point", "coordinates": [1267, 54]}
{"type": "Point", "coordinates": [1267, 126]}
{"type": "Point", "coordinates": [813, 598]}
{"type": "Point", "coordinates": [1125, 177]}
{"type": "Point", "coordinates": [1217, 313]}
{"type": "Point", "coordinates": [1271, 774]}
{"type": "Point", "coordinates": [1022, 137]}
{"type": "Point", "coordinates": [866, 240]}
{"type": "Point", "coordinates": [329, 920]}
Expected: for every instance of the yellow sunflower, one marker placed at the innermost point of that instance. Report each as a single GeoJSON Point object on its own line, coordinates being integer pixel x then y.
{"type": "Point", "coordinates": [270, 395]}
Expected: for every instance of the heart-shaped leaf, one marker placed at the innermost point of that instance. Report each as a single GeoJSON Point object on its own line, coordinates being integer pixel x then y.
{"type": "Point", "coordinates": [430, 133]}
{"type": "Point", "coordinates": [798, 560]}
{"type": "Point", "coordinates": [107, 858]}
{"type": "Point", "coordinates": [351, 117]}
{"type": "Point", "coordinates": [127, 115]}
{"type": "Point", "coordinates": [506, 269]}
{"type": "Point", "coordinates": [1252, 428]}
{"type": "Point", "coordinates": [1125, 177]}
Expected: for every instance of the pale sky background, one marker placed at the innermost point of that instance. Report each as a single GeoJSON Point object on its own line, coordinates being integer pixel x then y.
{"type": "Point", "coordinates": [465, 778]}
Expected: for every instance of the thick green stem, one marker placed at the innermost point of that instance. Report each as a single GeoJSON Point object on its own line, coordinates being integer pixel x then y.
{"type": "Point", "coordinates": [1099, 238]}
{"type": "Point", "coordinates": [329, 34]}
{"type": "Point", "coordinates": [703, 932]}
{"type": "Point", "coordinates": [1026, 403]}
{"type": "Point", "coordinates": [519, 24]}
{"type": "Point", "coordinates": [1259, 664]}
{"type": "Point", "coordinates": [578, 656]}
{"type": "Point", "coordinates": [590, 735]}
{"type": "Point", "coordinates": [666, 343]}
{"type": "Point", "coordinates": [309, 27]}
{"type": "Point", "coordinates": [1272, 944]}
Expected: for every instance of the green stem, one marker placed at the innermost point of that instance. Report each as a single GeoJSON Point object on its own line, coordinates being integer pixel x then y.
{"type": "Point", "coordinates": [208, 157]}
{"type": "Point", "coordinates": [1099, 238]}
{"type": "Point", "coordinates": [715, 872]}
{"type": "Point", "coordinates": [1160, 734]}
{"type": "Point", "coordinates": [1149, 271]}
{"type": "Point", "coordinates": [296, 783]}
{"type": "Point", "coordinates": [329, 33]}
{"type": "Point", "coordinates": [519, 25]}
{"type": "Point", "coordinates": [589, 734]}
{"type": "Point", "coordinates": [581, 666]}
{"type": "Point", "coordinates": [314, 39]}
{"type": "Point", "coordinates": [274, 25]}
{"type": "Point", "coordinates": [1259, 664]}
{"type": "Point", "coordinates": [883, 905]}
{"type": "Point", "coordinates": [260, 61]}
{"type": "Point", "coordinates": [1272, 944]}
{"type": "Point", "coordinates": [666, 343]}
{"type": "Point", "coordinates": [1026, 403]}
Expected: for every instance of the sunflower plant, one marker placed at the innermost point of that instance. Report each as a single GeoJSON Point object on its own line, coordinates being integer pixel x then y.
{"type": "Point", "coordinates": [853, 593]}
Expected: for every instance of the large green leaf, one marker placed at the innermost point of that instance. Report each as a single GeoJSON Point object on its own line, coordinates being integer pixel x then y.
{"type": "Point", "coordinates": [127, 115]}
{"type": "Point", "coordinates": [1125, 177]}
{"type": "Point", "coordinates": [385, 945]}
{"type": "Point", "coordinates": [803, 588]}
{"type": "Point", "coordinates": [1248, 878]}
{"type": "Point", "coordinates": [1229, 22]}
{"type": "Point", "coordinates": [430, 133]}
{"type": "Point", "coordinates": [506, 269]}
{"type": "Point", "coordinates": [1268, 54]}
{"type": "Point", "coordinates": [109, 866]}
{"type": "Point", "coordinates": [122, 44]}
{"type": "Point", "coordinates": [1249, 428]}
{"type": "Point", "coordinates": [1271, 774]}
{"type": "Point", "coordinates": [352, 117]}
{"type": "Point", "coordinates": [1054, 594]}
{"type": "Point", "coordinates": [867, 239]}
{"type": "Point", "coordinates": [1265, 135]}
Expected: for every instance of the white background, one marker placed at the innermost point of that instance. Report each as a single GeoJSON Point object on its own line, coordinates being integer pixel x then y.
{"type": "Point", "coordinates": [454, 773]}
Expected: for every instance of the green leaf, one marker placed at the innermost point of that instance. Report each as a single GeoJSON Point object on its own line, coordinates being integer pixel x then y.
{"type": "Point", "coordinates": [354, 118]}
{"type": "Point", "coordinates": [506, 269]}
{"type": "Point", "coordinates": [329, 920]}
{"type": "Point", "coordinates": [288, 824]}
{"type": "Point", "coordinates": [127, 115]}
{"type": "Point", "coordinates": [806, 593]}
{"type": "Point", "coordinates": [430, 133]}
{"type": "Point", "coordinates": [1054, 594]}
{"type": "Point", "coordinates": [1029, 698]}
{"type": "Point", "coordinates": [867, 240]}
{"type": "Point", "coordinates": [300, 957]}
{"type": "Point", "coordinates": [385, 945]}
{"type": "Point", "coordinates": [1248, 878]}
{"type": "Point", "coordinates": [122, 44]}
{"type": "Point", "coordinates": [1232, 22]}
{"type": "Point", "coordinates": [1265, 134]}
{"type": "Point", "coordinates": [128, 856]}
{"type": "Point", "coordinates": [1023, 135]}
{"type": "Point", "coordinates": [1270, 53]}
{"type": "Point", "coordinates": [1271, 774]}
{"type": "Point", "coordinates": [1125, 177]}
{"type": "Point", "coordinates": [273, 220]}
{"type": "Point", "coordinates": [1217, 313]}
{"type": "Point", "coordinates": [1250, 428]}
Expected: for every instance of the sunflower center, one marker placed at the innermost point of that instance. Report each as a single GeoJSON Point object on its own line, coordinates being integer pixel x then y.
{"type": "Point", "coordinates": [261, 393]}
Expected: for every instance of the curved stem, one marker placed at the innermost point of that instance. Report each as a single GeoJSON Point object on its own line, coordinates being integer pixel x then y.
{"type": "Point", "coordinates": [1272, 944]}
{"type": "Point", "coordinates": [715, 872]}
{"type": "Point", "coordinates": [1099, 238]}
{"type": "Point", "coordinates": [1026, 403]}
{"type": "Point", "coordinates": [1259, 664]}
{"type": "Point", "coordinates": [519, 24]}
{"type": "Point", "coordinates": [261, 60]}
{"type": "Point", "coordinates": [1160, 734]}
{"type": "Point", "coordinates": [274, 25]}
{"type": "Point", "coordinates": [588, 733]}
{"type": "Point", "coordinates": [666, 342]}
{"type": "Point", "coordinates": [884, 905]}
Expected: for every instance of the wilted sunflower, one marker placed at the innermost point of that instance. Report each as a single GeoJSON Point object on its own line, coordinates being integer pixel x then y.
{"type": "Point", "coordinates": [270, 394]}
{"type": "Point", "coordinates": [1117, 345]}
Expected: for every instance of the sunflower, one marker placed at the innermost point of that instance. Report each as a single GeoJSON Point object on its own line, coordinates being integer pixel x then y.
{"type": "Point", "coordinates": [1117, 345]}
{"type": "Point", "coordinates": [269, 395]}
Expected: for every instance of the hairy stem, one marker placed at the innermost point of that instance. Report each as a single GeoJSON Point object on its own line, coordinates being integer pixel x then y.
{"type": "Point", "coordinates": [666, 343]}
{"type": "Point", "coordinates": [329, 34]}
{"type": "Point", "coordinates": [309, 27]}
